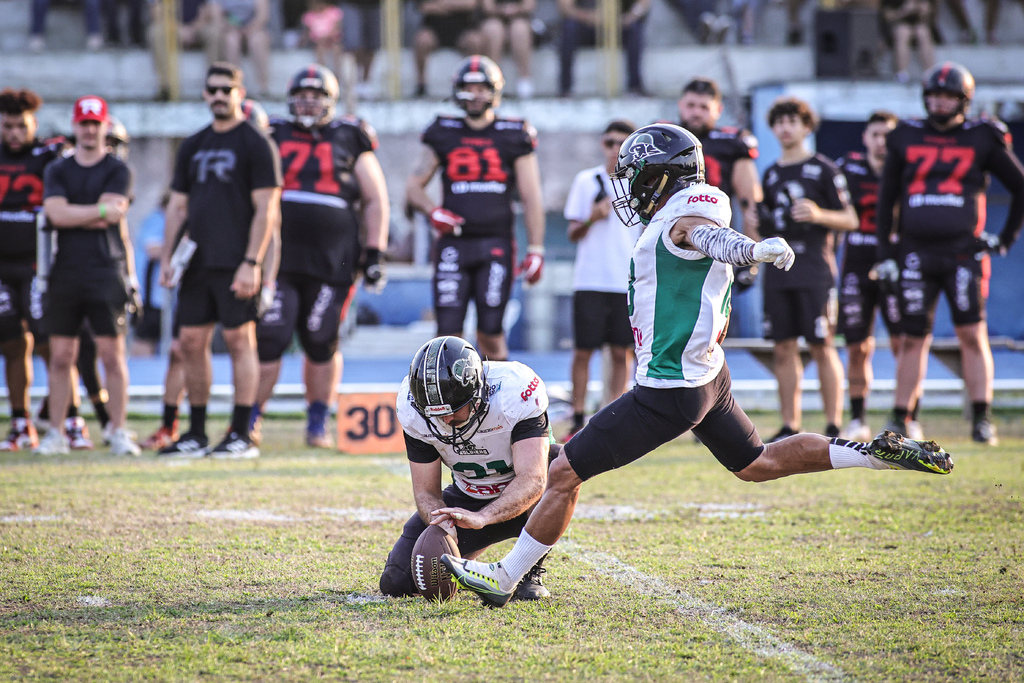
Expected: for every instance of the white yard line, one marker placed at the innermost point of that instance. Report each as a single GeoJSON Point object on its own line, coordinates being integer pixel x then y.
{"type": "Point", "coordinates": [368, 514]}
{"type": "Point", "coordinates": [247, 516]}
{"type": "Point", "coordinates": [16, 519]}
{"type": "Point", "coordinates": [748, 636]}
{"type": "Point", "coordinates": [93, 601]}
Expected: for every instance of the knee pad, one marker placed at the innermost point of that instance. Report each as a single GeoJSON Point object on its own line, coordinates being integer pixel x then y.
{"type": "Point", "coordinates": [272, 341]}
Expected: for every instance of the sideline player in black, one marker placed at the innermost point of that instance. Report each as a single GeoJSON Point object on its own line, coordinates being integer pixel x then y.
{"type": "Point", "coordinates": [936, 173]}
{"type": "Point", "coordinates": [227, 184]}
{"type": "Point", "coordinates": [86, 197]}
{"type": "Point", "coordinates": [860, 295]}
{"type": "Point", "coordinates": [334, 221]}
{"type": "Point", "coordinates": [805, 199]}
{"type": "Point", "coordinates": [23, 158]}
{"type": "Point", "coordinates": [484, 160]}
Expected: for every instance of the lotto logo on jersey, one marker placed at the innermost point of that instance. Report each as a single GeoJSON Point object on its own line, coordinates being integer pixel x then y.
{"type": "Point", "coordinates": [693, 199]}
{"type": "Point", "coordinates": [530, 388]}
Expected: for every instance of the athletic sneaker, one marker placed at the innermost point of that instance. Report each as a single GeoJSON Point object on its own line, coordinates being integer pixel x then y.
{"type": "Point", "coordinates": [897, 427]}
{"type": "Point", "coordinates": [122, 442]}
{"type": "Point", "coordinates": [54, 443]}
{"type": "Point", "coordinates": [857, 430]}
{"type": "Point", "coordinates": [478, 578]}
{"type": "Point", "coordinates": [188, 446]}
{"type": "Point", "coordinates": [899, 452]}
{"type": "Point", "coordinates": [108, 433]}
{"type": "Point", "coordinates": [914, 430]}
{"type": "Point", "coordinates": [235, 447]}
{"type": "Point", "coordinates": [77, 433]}
{"type": "Point", "coordinates": [782, 434]}
{"type": "Point", "coordinates": [256, 429]}
{"type": "Point", "coordinates": [161, 438]}
{"type": "Point", "coordinates": [532, 585]}
{"type": "Point", "coordinates": [319, 438]}
{"type": "Point", "coordinates": [23, 435]}
{"type": "Point", "coordinates": [832, 431]}
{"type": "Point", "coordinates": [983, 431]}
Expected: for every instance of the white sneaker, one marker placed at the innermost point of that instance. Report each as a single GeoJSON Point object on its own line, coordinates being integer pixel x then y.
{"type": "Point", "coordinates": [857, 430]}
{"type": "Point", "coordinates": [914, 430]}
{"type": "Point", "coordinates": [524, 88]}
{"type": "Point", "coordinates": [36, 44]}
{"type": "Point", "coordinates": [108, 433]}
{"type": "Point", "coordinates": [54, 443]}
{"type": "Point", "coordinates": [123, 443]}
{"type": "Point", "coordinates": [94, 42]}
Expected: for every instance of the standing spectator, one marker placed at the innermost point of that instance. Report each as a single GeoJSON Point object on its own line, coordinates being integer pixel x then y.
{"type": "Point", "coordinates": [910, 22]}
{"type": "Point", "coordinates": [860, 296]}
{"type": "Point", "coordinates": [23, 158]}
{"type": "Point", "coordinates": [361, 36]}
{"type": "Point", "coordinates": [323, 21]}
{"type": "Point", "coordinates": [37, 32]}
{"type": "Point", "coordinates": [581, 19]}
{"type": "Point", "coordinates": [483, 159]}
{"type": "Point", "coordinates": [245, 21]}
{"type": "Point", "coordinates": [446, 23]}
{"type": "Point", "coordinates": [136, 27]}
{"type": "Point", "coordinates": [805, 198]}
{"type": "Point", "coordinates": [600, 313]}
{"type": "Point", "coordinates": [200, 24]}
{"type": "Point", "coordinates": [334, 224]}
{"type": "Point", "coordinates": [509, 22]}
{"type": "Point", "coordinates": [149, 244]}
{"type": "Point", "coordinates": [86, 198]}
{"type": "Point", "coordinates": [227, 184]}
{"type": "Point", "coordinates": [936, 173]}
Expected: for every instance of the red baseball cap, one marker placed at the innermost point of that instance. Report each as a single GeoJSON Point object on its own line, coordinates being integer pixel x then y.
{"type": "Point", "coordinates": [90, 108]}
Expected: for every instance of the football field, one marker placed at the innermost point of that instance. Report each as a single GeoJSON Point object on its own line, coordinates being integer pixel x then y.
{"type": "Point", "coordinates": [672, 570]}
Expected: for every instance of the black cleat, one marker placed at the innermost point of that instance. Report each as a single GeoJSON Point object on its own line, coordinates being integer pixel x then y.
{"type": "Point", "coordinates": [901, 453]}
{"type": "Point", "coordinates": [532, 585]}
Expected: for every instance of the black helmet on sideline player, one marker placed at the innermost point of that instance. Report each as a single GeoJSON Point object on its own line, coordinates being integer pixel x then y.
{"type": "Point", "coordinates": [477, 69]}
{"type": "Point", "coordinates": [255, 114]}
{"type": "Point", "coordinates": [654, 162]}
{"type": "Point", "coordinates": [118, 138]}
{"type": "Point", "coordinates": [447, 374]}
{"type": "Point", "coordinates": [310, 113]}
{"type": "Point", "coordinates": [950, 78]}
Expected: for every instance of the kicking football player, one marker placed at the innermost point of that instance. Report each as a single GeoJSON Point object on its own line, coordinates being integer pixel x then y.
{"type": "Point", "coordinates": [936, 173]}
{"type": "Point", "coordinates": [484, 160]}
{"type": "Point", "coordinates": [680, 281]}
{"type": "Point", "coordinates": [334, 223]}
{"type": "Point", "coordinates": [488, 423]}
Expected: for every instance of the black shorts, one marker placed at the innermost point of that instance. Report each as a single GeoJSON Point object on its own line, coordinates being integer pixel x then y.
{"type": "Point", "coordinates": [924, 273]}
{"type": "Point", "coordinates": [859, 297]}
{"type": "Point", "coordinates": [477, 268]}
{"type": "Point", "coordinates": [807, 313]}
{"type": "Point", "coordinates": [449, 27]}
{"type": "Point", "coordinates": [600, 318]}
{"type": "Point", "coordinates": [205, 297]}
{"type": "Point", "coordinates": [642, 419]}
{"type": "Point", "coordinates": [102, 301]}
{"type": "Point", "coordinates": [308, 306]}
{"type": "Point", "coordinates": [19, 303]}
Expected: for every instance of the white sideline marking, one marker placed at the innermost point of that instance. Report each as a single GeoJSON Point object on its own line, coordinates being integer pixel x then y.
{"type": "Point", "coordinates": [247, 515]}
{"type": "Point", "coordinates": [367, 514]}
{"type": "Point", "coordinates": [14, 519]}
{"type": "Point", "coordinates": [93, 601]}
{"type": "Point", "coordinates": [623, 513]}
{"type": "Point", "coordinates": [399, 468]}
{"type": "Point", "coordinates": [361, 599]}
{"type": "Point", "coordinates": [748, 636]}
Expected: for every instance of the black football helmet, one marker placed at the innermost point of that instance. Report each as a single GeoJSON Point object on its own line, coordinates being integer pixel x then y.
{"type": "Point", "coordinates": [255, 114]}
{"type": "Point", "coordinates": [951, 78]}
{"type": "Point", "coordinates": [445, 375]}
{"type": "Point", "coordinates": [477, 69]}
{"type": "Point", "coordinates": [312, 114]}
{"type": "Point", "coordinates": [654, 162]}
{"type": "Point", "coordinates": [118, 138]}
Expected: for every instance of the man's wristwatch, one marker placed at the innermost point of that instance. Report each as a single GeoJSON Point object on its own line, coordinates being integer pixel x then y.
{"type": "Point", "coordinates": [251, 261]}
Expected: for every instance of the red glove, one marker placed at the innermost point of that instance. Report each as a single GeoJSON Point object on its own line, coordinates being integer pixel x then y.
{"type": "Point", "coordinates": [532, 266]}
{"type": "Point", "coordinates": [446, 222]}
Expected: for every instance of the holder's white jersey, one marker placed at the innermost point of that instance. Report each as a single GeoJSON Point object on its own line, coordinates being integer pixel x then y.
{"type": "Point", "coordinates": [679, 299]}
{"type": "Point", "coordinates": [482, 468]}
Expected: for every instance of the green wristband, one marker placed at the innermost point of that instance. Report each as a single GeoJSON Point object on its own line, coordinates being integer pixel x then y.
{"type": "Point", "coordinates": [103, 211]}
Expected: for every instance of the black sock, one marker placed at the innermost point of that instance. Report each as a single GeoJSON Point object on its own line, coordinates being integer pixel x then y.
{"type": "Point", "coordinates": [101, 412]}
{"type": "Point", "coordinates": [197, 421]}
{"type": "Point", "coordinates": [18, 412]}
{"type": "Point", "coordinates": [913, 411]}
{"type": "Point", "coordinates": [72, 410]}
{"type": "Point", "coordinates": [980, 409]}
{"type": "Point", "coordinates": [577, 419]}
{"type": "Point", "coordinates": [240, 420]}
{"type": "Point", "coordinates": [857, 408]}
{"type": "Point", "coordinates": [170, 415]}
{"type": "Point", "coordinates": [899, 415]}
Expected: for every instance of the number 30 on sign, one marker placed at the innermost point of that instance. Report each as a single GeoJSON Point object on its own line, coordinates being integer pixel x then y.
{"type": "Point", "coordinates": [367, 423]}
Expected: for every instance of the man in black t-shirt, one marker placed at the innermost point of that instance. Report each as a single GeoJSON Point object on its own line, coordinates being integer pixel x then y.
{"type": "Point", "coordinates": [484, 159]}
{"type": "Point", "coordinates": [86, 199]}
{"type": "Point", "coordinates": [334, 189]}
{"type": "Point", "coordinates": [227, 183]}
{"type": "Point", "coordinates": [936, 174]}
{"type": "Point", "coordinates": [805, 199]}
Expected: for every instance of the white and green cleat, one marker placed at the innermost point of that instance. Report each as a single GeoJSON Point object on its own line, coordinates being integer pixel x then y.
{"type": "Point", "coordinates": [478, 578]}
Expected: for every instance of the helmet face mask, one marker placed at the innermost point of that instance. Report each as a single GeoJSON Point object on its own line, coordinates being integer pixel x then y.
{"type": "Point", "coordinates": [447, 375]}
{"type": "Point", "coordinates": [476, 101]}
{"type": "Point", "coordinates": [654, 162]}
{"type": "Point", "coordinates": [118, 138]}
{"type": "Point", "coordinates": [313, 96]}
{"type": "Point", "coordinates": [952, 79]}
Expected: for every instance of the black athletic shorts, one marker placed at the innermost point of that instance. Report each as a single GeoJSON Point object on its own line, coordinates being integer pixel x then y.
{"type": "Point", "coordinates": [600, 318]}
{"type": "Point", "coordinates": [308, 306]}
{"type": "Point", "coordinates": [17, 301]}
{"type": "Point", "coordinates": [205, 297]}
{"type": "Point", "coordinates": [477, 268]}
{"type": "Point", "coordinates": [807, 313]}
{"type": "Point", "coordinates": [642, 419]}
{"type": "Point", "coordinates": [859, 297]}
{"type": "Point", "coordinates": [449, 27]}
{"type": "Point", "coordinates": [101, 300]}
{"type": "Point", "coordinates": [925, 271]}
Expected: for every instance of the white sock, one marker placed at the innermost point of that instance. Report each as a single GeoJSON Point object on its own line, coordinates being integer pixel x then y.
{"type": "Point", "coordinates": [524, 554]}
{"type": "Point", "coordinates": [851, 454]}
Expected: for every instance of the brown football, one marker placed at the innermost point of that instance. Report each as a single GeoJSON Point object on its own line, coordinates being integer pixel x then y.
{"type": "Point", "coordinates": [433, 581]}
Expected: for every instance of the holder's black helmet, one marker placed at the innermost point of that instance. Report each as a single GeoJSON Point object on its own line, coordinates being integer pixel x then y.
{"type": "Point", "coordinates": [952, 78]}
{"type": "Point", "coordinates": [447, 374]}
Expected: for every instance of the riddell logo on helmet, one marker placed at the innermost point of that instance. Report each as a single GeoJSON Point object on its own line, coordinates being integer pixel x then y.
{"type": "Point", "coordinates": [702, 198]}
{"type": "Point", "coordinates": [530, 388]}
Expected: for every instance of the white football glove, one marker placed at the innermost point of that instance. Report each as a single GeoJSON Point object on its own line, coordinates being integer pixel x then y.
{"type": "Point", "coordinates": [776, 251]}
{"type": "Point", "coordinates": [888, 270]}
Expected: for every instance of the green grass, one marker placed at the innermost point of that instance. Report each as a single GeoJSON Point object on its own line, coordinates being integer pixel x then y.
{"type": "Point", "coordinates": [851, 575]}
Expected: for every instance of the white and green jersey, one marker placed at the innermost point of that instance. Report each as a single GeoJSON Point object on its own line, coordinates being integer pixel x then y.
{"type": "Point", "coordinates": [679, 299]}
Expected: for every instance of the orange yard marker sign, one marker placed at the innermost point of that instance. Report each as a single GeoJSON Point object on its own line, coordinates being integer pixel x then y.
{"type": "Point", "coordinates": [367, 423]}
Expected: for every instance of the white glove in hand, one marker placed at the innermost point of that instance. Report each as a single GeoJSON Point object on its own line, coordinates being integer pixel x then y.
{"type": "Point", "coordinates": [887, 270]}
{"type": "Point", "coordinates": [776, 251]}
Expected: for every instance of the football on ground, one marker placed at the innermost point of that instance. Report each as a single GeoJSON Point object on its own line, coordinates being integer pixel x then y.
{"type": "Point", "coordinates": [433, 581]}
